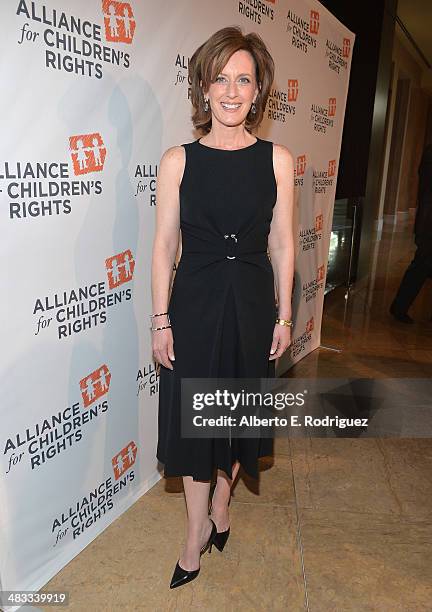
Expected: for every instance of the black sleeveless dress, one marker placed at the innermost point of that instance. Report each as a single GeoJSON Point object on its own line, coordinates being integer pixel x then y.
{"type": "Point", "coordinates": [222, 306]}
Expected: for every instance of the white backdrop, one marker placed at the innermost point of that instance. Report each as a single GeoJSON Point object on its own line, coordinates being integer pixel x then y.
{"type": "Point", "coordinates": [92, 94]}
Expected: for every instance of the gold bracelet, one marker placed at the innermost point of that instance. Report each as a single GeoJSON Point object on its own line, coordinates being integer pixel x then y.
{"type": "Point", "coordinates": [284, 322]}
{"type": "Point", "coordinates": [158, 315]}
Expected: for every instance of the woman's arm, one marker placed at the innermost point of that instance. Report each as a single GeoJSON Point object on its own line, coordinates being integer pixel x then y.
{"type": "Point", "coordinates": [281, 242]}
{"type": "Point", "coordinates": [165, 246]}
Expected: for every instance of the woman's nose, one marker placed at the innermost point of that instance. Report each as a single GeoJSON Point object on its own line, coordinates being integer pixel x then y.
{"type": "Point", "coordinates": [232, 87]}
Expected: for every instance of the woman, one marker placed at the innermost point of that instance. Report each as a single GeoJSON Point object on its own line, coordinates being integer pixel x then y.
{"type": "Point", "coordinates": [231, 194]}
{"type": "Point", "coordinates": [420, 267]}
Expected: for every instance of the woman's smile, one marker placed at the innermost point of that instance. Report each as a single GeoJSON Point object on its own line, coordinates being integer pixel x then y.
{"type": "Point", "coordinates": [229, 107]}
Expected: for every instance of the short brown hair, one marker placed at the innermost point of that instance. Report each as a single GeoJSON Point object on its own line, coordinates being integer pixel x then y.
{"type": "Point", "coordinates": [210, 58]}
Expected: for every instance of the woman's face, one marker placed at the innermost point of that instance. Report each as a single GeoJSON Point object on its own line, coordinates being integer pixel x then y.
{"type": "Point", "coordinates": [234, 89]}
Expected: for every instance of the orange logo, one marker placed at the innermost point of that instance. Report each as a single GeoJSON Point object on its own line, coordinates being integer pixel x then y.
{"type": "Point", "coordinates": [95, 385]}
{"type": "Point", "coordinates": [292, 90]}
{"type": "Point", "coordinates": [124, 459]}
{"type": "Point", "coordinates": [119, 21]}
{"type": "Point", "coordinates": [332, 107]}
{"type": "Point", "coordinates": [314, 22]}
{"type": "Point", "coordinates": [300, 165]}
{"type": "Point", "coordinates": [331, 167]}
{"type": "Point", "coordinates": [346, 47]}
{"type": "Point", "coordinates": [318, 223]}
{"type": "Point", "coordinates": [88, 153]}
{"type": "Point", "coordinates": [309, 325]}
{"type": "Point", "coordinates": [320, 273]}
{"type": "Point", "coordinates": [120, 268]}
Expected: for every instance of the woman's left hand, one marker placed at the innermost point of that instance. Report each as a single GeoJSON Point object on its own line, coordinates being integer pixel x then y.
{"type": "Point", "coordinates": [281, 341]}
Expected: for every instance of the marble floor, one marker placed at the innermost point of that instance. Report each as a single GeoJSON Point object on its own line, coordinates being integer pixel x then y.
{"type": "Point", "coordinates": [334, 525]}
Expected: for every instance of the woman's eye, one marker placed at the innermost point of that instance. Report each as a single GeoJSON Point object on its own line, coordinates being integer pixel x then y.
{"type": "Point", "coordinates": [242, 79]}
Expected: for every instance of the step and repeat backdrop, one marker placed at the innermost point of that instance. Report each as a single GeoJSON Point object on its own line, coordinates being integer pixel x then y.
{"type": "Point", "coordinates": [93, 92]}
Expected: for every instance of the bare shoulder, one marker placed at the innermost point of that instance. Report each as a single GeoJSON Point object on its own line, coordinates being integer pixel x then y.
{"type": "Point", "coordinates": [283, 160]}
{"type": "Point", "coordinates": [282, 154]}
{"type": "Point", "coordinates": [173, 161]}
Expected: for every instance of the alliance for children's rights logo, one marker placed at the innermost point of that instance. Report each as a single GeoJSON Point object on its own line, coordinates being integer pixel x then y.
{"type": "Point", "coordinates": [257, 11]}
{"type": "Point", "coordinates": [88, 153]}
{"type": "Point", "coordinates": [321, 116]}
{"type": "Point", "coordinates": [310, 288]}
{"type": "Point", "coordinates": [95, 385]}
{"type": "Point", "coordinates": [120, 269]}
{"type": "Point", "coordinates": [299, 170]}
{"type": "Point", "coordinates": [300, 343]}
{"type": "Point", "coordinates": [59, 432]}
{"type": "Point", "coordinates": [324, 178]}
{"type": "Point", "coordinates": [75, 310]}
{"type": "Point", "coordinates": [74, 44]}
{"type": "Point", "coordinates": [119, 21]}
{"type": "Point", "coordinates": [147, 379]}
{"type": "Point", "coordinates": [303, 30]}
{"type": "Point", "coordinates": [309, 236]}
{"type": "Point", "coordinates": [146, 176]}
{"type": "Point", "coordinates": [338, 55]}
{"type": "Point", "coordinates": [42, 189]}
{"type": "Point", "coordinates": [281, 104]}
{"type": "Point", "coordinates": [88, 510]}
{"type": "Point", "coordinates": [181, 73]}
{"type": "Point", "coordinates": [124, 460]}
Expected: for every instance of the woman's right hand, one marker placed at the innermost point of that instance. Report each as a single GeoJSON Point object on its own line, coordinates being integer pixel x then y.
{"type": "Point", "coordinates": [163, 347]}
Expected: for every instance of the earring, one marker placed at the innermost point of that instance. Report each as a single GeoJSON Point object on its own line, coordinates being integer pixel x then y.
{"type": "Point", "coordinates": [206, 105]}
{"type": "Point", "coordinates": [253, 108]}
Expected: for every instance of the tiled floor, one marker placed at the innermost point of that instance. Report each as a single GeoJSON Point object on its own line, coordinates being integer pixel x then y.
{"type": "Point", "coordinates": [337, 524]}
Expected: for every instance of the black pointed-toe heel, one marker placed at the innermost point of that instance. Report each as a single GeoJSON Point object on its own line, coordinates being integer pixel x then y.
{"type": "Point", "coordinates": [221, 539]}
{"type": "Point", "coordinates": [182, 576]}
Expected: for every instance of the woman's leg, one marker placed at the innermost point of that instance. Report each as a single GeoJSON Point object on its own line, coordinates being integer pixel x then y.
{"type": "Point", "coordinates": [198, 524]}
{"type": "Point", "coordinates": [221, 497]}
